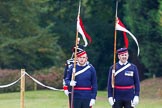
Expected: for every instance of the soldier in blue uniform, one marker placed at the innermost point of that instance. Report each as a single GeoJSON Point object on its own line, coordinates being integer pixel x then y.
{"type": "Point", "coordinates": [85, 83]}
{"type": "Point", "coordinates": [125, 93]}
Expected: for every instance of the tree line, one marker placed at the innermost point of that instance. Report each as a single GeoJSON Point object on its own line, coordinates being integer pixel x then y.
{"type": "Point", "coordinates": [38, 34]}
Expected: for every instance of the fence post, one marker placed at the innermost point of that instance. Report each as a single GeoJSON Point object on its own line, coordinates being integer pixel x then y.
{"type": "Point", "coordinates": [22, 88]}
{"type": "Point", "coordinates": [35, 86]}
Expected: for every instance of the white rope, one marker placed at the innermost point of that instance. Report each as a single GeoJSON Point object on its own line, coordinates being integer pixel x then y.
{"type": "Point", "coordinates": [7, 85]}
{"type": "Point", "coordinates": [52, 88]}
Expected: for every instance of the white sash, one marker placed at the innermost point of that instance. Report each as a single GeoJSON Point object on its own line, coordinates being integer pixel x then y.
{"type": "Point", "coordinates": [83, 70]}
{"type": "Point", "coordinates": [126, 66]}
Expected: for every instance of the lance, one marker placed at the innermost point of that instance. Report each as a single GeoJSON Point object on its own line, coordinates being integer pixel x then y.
{"type": "Point", "coordinates": [114, 60]}
{"type": "Point", "coordinates": [75, 58]}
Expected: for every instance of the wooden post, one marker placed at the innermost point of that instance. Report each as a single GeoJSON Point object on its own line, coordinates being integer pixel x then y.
{"type": "Point", "coordinates": [22, 88]}
{"type": "Point", "coordinates": [35, 86]}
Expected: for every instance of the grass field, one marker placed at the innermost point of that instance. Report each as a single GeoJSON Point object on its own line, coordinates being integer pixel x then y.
{"type": "Point", "coordinates": [57, 99]}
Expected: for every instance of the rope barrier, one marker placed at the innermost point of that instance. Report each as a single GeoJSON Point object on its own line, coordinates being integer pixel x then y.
{"type": "Point", "coordinates": [38, 82]}
{"type": "Point", "coordinates": [52, 88]}
{"type": "Point", "coordinates": [7, 85]}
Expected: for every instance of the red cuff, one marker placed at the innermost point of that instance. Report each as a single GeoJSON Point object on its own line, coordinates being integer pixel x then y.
{"type": "Point", "coordinates": [65, 87]}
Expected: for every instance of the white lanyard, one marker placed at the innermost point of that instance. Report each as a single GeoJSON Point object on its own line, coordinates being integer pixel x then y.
{"type": "Point", "coordinates": [126, 66]}
{"type": "Point", "coordinates": [83, 70]}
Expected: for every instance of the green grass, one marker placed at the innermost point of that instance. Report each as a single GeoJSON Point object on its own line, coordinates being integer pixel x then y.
{"type": "Point", "coordinates": [57, 99]}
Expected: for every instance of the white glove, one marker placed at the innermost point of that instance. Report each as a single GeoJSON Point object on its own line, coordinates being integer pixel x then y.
{"type": "Point", "coordinates": [66, 92]}
{"type": "Point", "coordinates": [92, 102]}
{"type": "Point", "coordinates": [111, 101]}
{"type": "Point", "coordinates": [72, 83]}
{"type": "Point", "coordinates": [132, 105]}
{"type": "Point", "coordinates": [135, 101]}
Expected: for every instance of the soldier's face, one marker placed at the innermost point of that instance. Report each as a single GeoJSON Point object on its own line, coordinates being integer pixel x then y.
{"type": "Point", "coordinates": [123, 57]}
{"type": "Point", "coordinates": [82, 59]}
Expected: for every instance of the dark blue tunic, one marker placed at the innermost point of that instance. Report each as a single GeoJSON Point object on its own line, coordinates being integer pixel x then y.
{"type": "Point", "coordinates": [87, 79]}
{"type": "Point", "coordinates": [123, 82]}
